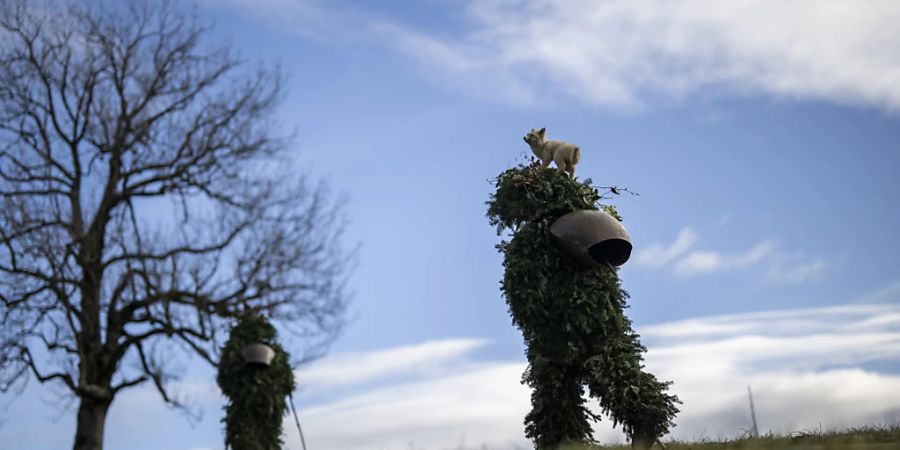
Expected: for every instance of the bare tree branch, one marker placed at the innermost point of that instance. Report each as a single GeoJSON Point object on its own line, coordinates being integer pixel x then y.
{"type": "Point", "coordinates": [145, 202]}
{"type": "Point", "coordinates": [62, 376]}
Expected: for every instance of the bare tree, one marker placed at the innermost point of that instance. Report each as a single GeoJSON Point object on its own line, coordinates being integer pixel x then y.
{"type": "Point", "coordinates": [140, 211]}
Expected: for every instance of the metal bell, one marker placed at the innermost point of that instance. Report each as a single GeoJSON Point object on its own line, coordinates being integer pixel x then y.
{"type": "Point", "coordinates": [258, 355]}
{"type": "Point", "coordinates": [593, 238]}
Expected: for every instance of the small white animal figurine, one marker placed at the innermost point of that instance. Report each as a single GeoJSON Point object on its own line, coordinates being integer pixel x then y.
{"type": "Point", "coordinates": [565, 155]}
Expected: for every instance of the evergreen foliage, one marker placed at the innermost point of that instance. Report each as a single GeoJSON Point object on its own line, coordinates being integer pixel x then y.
{"type": "Point", "coordinates": [572, 319]}
{"type": "Point", "coordinates": [256, 396]}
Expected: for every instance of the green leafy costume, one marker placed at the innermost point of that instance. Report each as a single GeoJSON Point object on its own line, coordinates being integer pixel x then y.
{"type": "Point", "coordinates": [257, 396]}
{"type": "Point", "coordinates": [572, 319]}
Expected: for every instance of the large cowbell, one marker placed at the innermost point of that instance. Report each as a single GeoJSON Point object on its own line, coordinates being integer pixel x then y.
{"type": "Point", "coordinates": [258, 355]}
{"type": "Point", "coordinates": [593, 238]}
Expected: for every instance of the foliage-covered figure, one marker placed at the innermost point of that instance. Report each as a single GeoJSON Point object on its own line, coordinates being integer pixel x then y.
{"type": "Point", "coordinates": [572, 319]}
{"type": "Point", "coordinates": [256, 396]}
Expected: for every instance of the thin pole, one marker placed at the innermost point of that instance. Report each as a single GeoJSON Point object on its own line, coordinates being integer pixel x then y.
{"type": "Point", "coordinates": [752, 413]}
{"type": "Point", "coordinates": [297, 420]}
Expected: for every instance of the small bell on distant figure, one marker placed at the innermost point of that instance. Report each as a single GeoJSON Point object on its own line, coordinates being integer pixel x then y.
{"type": "Point", "coordinates": [593, 238]}
{"type": "Point", "coordinates": [258, 355]}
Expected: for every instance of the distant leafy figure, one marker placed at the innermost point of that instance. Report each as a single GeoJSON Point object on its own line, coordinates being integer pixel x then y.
{"type": "Point", "coordinates": [256, 396]}
{"type": "Point", "coordinates": [572, 319]}
{"type": "Point", "coordinates": [141, 205]}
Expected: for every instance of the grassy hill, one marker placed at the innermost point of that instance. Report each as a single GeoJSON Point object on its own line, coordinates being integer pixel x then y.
{"type": "Point", "coordinates": [864, 438]}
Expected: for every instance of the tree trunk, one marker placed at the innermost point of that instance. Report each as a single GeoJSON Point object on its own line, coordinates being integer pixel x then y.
{"type": "Point", "coordinates": [91, 420]}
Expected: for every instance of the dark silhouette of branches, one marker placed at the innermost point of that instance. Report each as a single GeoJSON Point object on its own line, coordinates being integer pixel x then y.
{"type": "Point", "coordinates": [141, 203]}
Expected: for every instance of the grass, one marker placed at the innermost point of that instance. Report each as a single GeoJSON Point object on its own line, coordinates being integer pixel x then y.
{"type": "Point", "coordinates": [862, 438]}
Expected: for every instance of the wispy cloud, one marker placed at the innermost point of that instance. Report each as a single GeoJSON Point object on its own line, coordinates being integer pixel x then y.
{"type": "Point", "coordinates": [801, 363]}
{"type": "Point", "coordinates": [806, 339]}
{"type": "Point", "coordinates": [658, 255]}
{"type": "Point", "coordinates": [788, 322]}
{"type": "Point", "coordinates": [701, 262]}
{"type": "Point", "coordinates": [308, 18]}
{"type": "Point", "coordinates": [349, 369]}
{"type": "Point", "coordinates": [794, 270]}
{"type": "Point", "coordinates": [617, 53]}
{"type": "Point", "coordinates": [806, 367]}
{"type": "Point", "coordinates": [687, 261]}
{"type": "Point", "coordinates": [481, 404]}
{"type": "Point", "coordinates": [887, 294]}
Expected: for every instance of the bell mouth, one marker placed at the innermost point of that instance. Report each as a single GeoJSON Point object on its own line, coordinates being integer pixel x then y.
{"type": "Point", "coordinates": [613, 251]}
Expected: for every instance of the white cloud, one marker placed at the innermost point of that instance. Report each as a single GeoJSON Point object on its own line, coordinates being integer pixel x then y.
{"type": "Point", "coordinates": [348, 369]}
{"type": "Point", "coordinates": [658, 255]}
{"type": "Point", "coordinates": [887, 294]}
{"type": "Point", "coordinates": [686, 261]}
{"type": "Point", "coordinates": [482, 404]}
{"type": "Point", "coordinates": [325, 22]}
{"type": "Point", "coordinates": [794, 270]}
{"type": "Point", "coordinates": [788, 322]}
{"type": "Point", "coordinates": [806, 367]}
{"type": "Point", "coordinates": [615, 53]}
{"type": "Point", "coordinates": [701, 262]}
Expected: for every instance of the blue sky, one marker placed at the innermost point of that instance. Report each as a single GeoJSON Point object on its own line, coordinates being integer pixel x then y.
{"type": "Point", "coordinates": [762, 137]}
